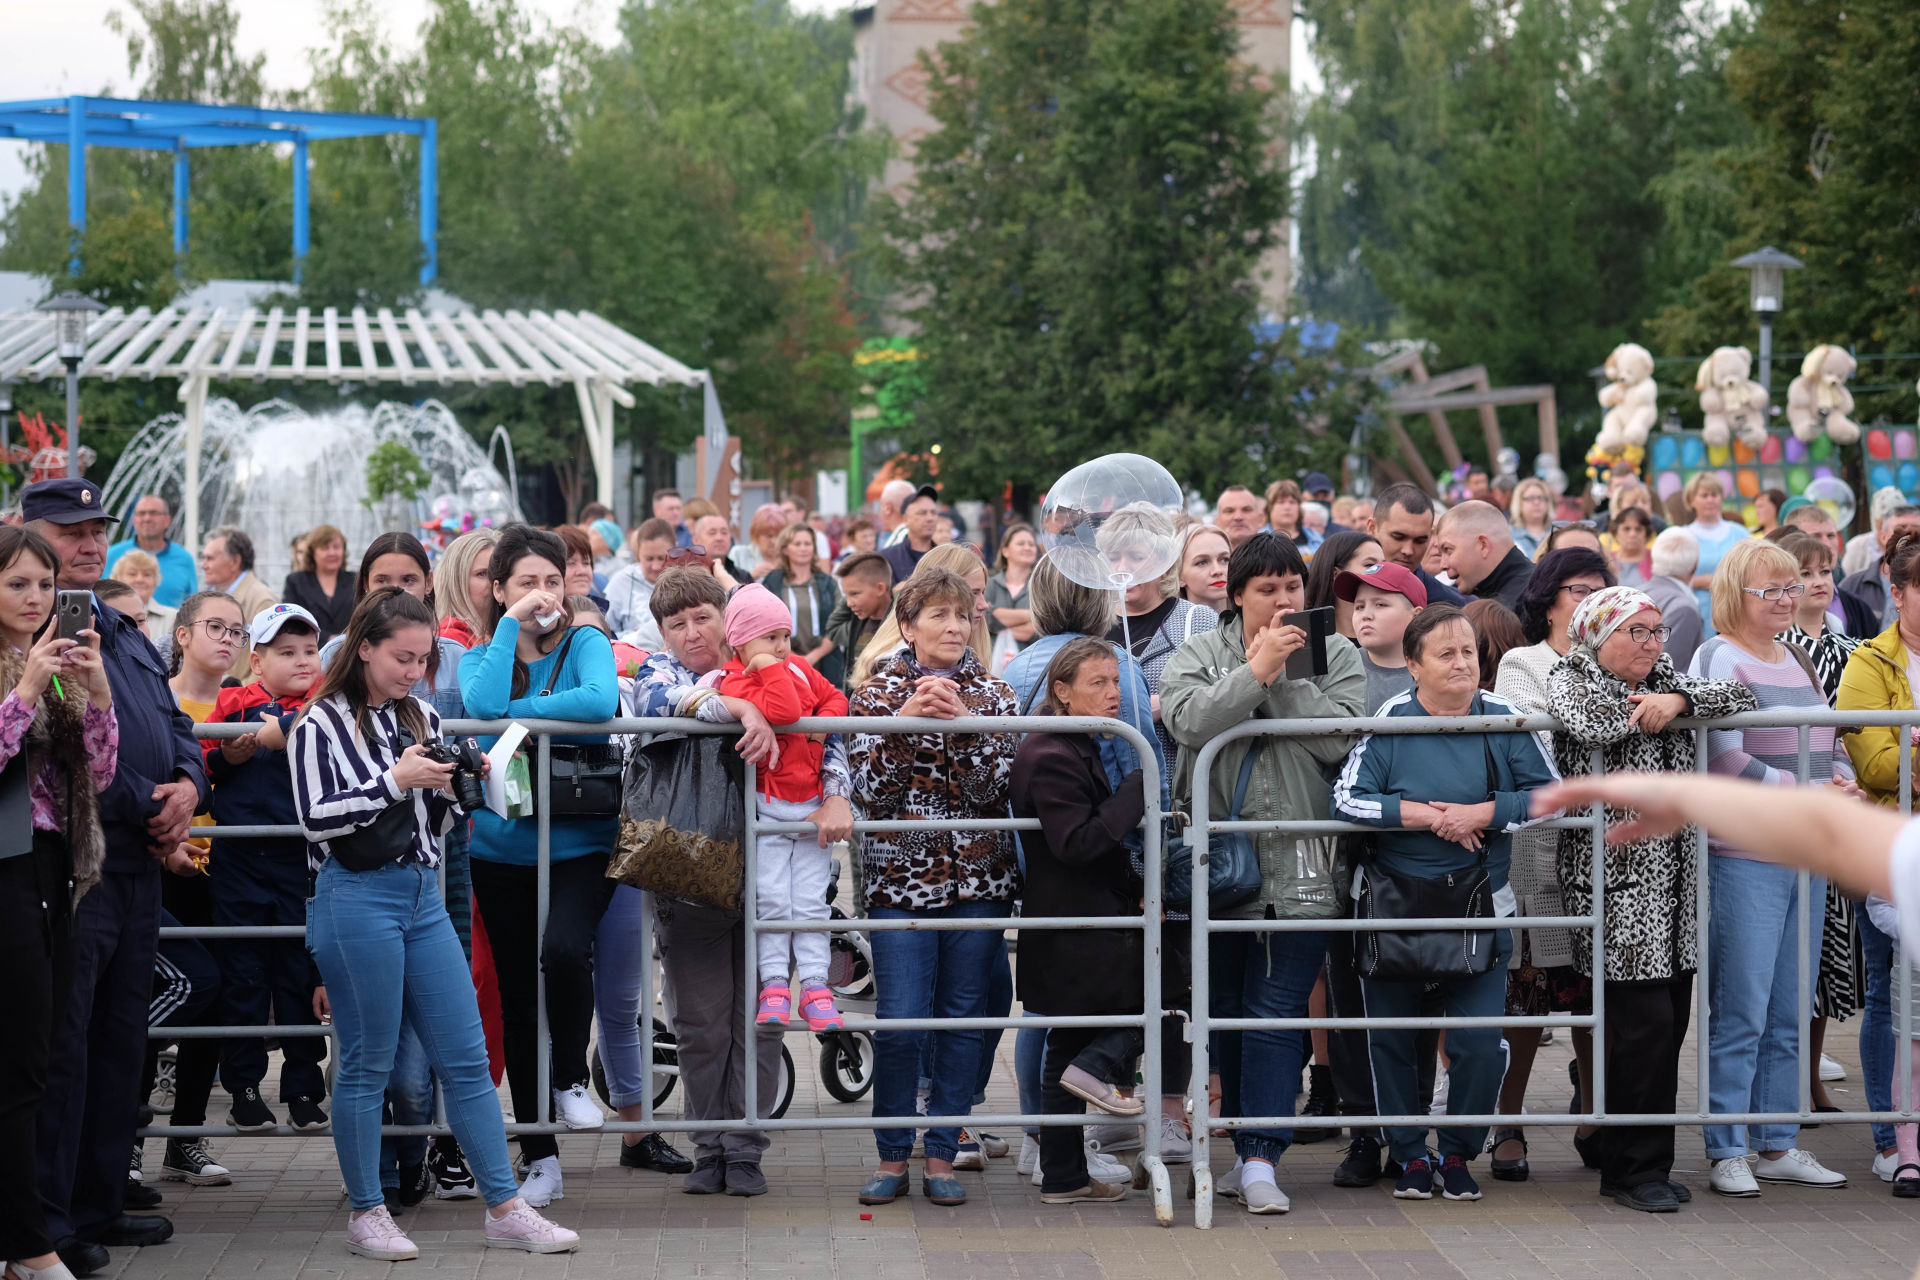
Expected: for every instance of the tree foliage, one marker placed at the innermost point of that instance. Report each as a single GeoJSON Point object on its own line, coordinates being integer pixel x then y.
{"type": "Point", "coordinates": [1522, 184]}
{"type": "Point", "coordinates": [1083, 241]}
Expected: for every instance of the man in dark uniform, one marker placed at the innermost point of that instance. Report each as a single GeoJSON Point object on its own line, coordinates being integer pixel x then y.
{"type": "Point", "coordinates": [89, 1110]}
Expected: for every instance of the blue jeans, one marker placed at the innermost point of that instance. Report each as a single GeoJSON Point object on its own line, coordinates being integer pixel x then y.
{"type": "Point", "coordinates": [384, 945]}
{"type": "Point", "coordinates": [1029, 1062]}
{"type": "Point", "coordinates": [617, 971]}
{"type": "Point", "coordinates": [930, 974]}
{"type": "Point", "coordinates": [1876, 1025]}
{"type": "Point", "coordinates": [999, 1005]}
{"type": "Point", "coordinates": [1753, 1018]}
{"type": "Point", "coordinates": [1262, 975]}
{"type": "Point", "coordinates": [410, 1094]}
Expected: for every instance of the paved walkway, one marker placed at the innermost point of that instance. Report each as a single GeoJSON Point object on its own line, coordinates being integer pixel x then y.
{"type": "Point", "coordinates": [284, 1217]}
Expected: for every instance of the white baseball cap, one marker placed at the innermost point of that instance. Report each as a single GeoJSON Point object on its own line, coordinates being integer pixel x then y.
{"type": "Point", "coordinates": [267, 623]}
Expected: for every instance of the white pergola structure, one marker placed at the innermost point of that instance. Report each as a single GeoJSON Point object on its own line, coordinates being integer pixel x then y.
{"type": "Point", "coordinates": [303, 344]}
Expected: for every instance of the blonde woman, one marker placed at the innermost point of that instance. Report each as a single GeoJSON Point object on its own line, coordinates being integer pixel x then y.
{"type": "Point", "coordinates": [1705, 496]}
{"type": "Point", "coordinates": [1531, 512]}
{"type": "Point", "coordinates": [954, 557]}
{"type": "Point", "coordinates": [462, 591]}
{"type": "Point", "coordinates": [139, 570]}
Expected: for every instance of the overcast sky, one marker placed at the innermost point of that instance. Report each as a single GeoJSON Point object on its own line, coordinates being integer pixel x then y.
{"type": "Point", "coordinates": [59, 47]}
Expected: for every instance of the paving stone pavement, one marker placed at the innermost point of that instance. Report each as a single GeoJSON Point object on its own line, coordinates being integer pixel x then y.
{"type": "Point", "coordinates": [284, 1218]}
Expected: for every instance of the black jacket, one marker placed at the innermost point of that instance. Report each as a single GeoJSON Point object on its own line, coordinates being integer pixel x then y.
{"type": "Point", "coordinates": [1507, 582]}
{"type": "Point", "coordinates": [826, 598]}
{"type": "Point", "coordinates": [1077, 865]}
{"type": "Point", "coordinates": [1439, 592]}
{"type": "Point", "coordinates": [156, 740]}
{"type": "Point", "coordinates": [1863, 620]}
{"type": "Point", "coordinates": [330, 611]}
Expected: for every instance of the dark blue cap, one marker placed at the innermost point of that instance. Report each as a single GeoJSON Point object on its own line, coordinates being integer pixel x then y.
{"type": "Point", "coordinates": [64, 500]}
{"type": "Point", "coordinates": [1316, 482]}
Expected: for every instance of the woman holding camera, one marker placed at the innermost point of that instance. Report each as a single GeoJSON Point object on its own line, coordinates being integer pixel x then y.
{"type": "Point", "coordinates": [538, 665]}
{"type": "Point", "coordinates": [374, 805]}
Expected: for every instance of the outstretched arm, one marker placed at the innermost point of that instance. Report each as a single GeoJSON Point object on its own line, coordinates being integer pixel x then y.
{"type": "Point", "coordinates": [1820, 830]}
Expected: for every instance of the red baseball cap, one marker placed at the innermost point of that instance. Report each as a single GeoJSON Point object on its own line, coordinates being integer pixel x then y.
{"type": "Point", "coordinates": [1387, 576]}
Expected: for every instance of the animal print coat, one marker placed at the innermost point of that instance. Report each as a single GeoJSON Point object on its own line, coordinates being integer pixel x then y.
{"type": "Point", "coordinates": [1651, 921]}
{"type": "Point", "coordinates": [934, 776]}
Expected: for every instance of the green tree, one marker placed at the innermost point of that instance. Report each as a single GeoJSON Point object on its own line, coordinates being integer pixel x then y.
{"type": "Point", "coordinates": [1083, 241]}
{"type": "Point", "coordinates": [1829, 177]}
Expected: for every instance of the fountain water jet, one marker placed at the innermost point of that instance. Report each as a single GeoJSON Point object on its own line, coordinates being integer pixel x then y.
{"type": "Point", "coordinates": [277, 470]}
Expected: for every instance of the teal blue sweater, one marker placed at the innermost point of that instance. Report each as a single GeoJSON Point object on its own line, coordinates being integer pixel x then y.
{"type": "Point", "coordinates": [588, 690]}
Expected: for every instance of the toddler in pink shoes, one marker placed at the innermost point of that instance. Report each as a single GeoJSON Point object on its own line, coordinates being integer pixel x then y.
{"type": "Point", "coordinates": [793, 869]}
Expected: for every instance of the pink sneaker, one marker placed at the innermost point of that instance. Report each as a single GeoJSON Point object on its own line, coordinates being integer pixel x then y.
{"type": "Point", "coordinates": [818, 1006]}
{"type": "Point", "coordinates": [522, 1228]}
{"type": "Point", "coordinates": [373, 1235]}
{"type": "Point", "coordinates": [776, 1006]}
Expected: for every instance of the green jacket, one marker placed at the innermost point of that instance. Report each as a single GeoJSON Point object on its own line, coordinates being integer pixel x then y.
{"type": "Point", "coordinates": [1207, 689]}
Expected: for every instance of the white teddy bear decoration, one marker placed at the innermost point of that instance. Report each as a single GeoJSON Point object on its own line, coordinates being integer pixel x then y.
{"type": "Point", "coordinates": [1818, 399]}
{"type": "Point", "coordinates": [1732, 401]}
{"type": "Point", "coordinates": [1629, 399]}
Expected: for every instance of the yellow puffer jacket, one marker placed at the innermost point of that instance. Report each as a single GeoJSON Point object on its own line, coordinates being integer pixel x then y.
{"type": "Point", "coordinates": [1876, 680]}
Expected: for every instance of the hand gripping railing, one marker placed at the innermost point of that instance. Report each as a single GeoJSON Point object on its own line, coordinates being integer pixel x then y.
{"type": "Point", "coordinates": [540, 731]}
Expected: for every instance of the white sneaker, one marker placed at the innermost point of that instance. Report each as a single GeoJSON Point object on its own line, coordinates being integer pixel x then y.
{"type": "Point", "coordinates": [1885, 1165]}
{"type": "Point", "coordinates": [1029, 1161]}
{"type": "Point", "coordinates": [373, 1235]}
{"type": "Point", "coordinates": [1831, 1070]}
{"type": "Point", "coordinates": [1100, 1168]}
{"type": "Point", "coordinates": [1115, 1137]}
{"type": "Point", "coordinates": [576, 1109]}
{"type": "Point", "coordinates": [1228, 1183]}
{"type": "Point", "coordinates": [542, 1186]}
{"type": "Point", "coordinates": [972, 1156]}
{"type": "Point", "coordinates": [1175, 1146]}
{"type": "Point", "coordinates": [1263, 1197]}
{"type": "Point", "coordinates": [527, 1231]}
{"type": "Point", "coordinates": [1798, 1167]}
{"type": "Point", "coordinates": [1732, 1177]}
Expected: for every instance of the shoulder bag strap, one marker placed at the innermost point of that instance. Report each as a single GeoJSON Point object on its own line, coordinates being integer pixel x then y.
{"type": "Point", "coordinates": [559, 661]}
{"type": "Point", "coordinates": [1246, 776]}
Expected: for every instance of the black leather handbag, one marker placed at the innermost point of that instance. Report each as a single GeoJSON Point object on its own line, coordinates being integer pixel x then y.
{"type": "Point", "coordinates": [389, 837]}
{"type": "Point", "coordinates": [1428, 955]}
{"type": "Point", "coordinates": [588, 779]}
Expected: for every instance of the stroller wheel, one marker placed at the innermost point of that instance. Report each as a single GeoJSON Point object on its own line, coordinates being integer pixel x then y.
{"type": "Point", "coordinates": [846, 1064]}
{"type": "Point", "coordinates": [166, 1072]}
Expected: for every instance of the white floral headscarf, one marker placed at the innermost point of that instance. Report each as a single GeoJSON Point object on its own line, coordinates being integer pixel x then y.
{"type": "Point", "coordinates": [1604, 612]}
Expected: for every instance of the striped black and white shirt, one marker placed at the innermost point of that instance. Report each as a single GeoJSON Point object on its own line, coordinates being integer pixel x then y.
{"type": "Point", "coordinates": [342, 781]}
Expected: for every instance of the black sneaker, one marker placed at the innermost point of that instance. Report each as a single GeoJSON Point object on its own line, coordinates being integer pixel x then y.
{"type": "Point", "coordinates": [249, 1114]}
{"type": "Point", "coordinates": [1320, 1102]}
{"type": "Point", "coordinates": [140, 1196]}
{"type": "Point", "coordinates": [452, 1180]}
{"type": "Point", "coordinates": [1416, 1182]}
{"type": "Point", "coordinates": [1456, 1183]}
{"type": "Point", "coordinates": [134, 1173]}
{"type": "Point", "coordinates": [1648, 1197]}
{"type": "Point", "coordinates": [305, 1115]}
{"type": "Point", "coordinates": [415, 1183]}
{"type": "Point", "coordinates": [656, 1153]}
{"type": "Point", "coordinates": [187, 1161]}
{"type": "Point", "coordinates": [391, 1196]}
{"type": "Point", "coordinates": [1361, 1168]}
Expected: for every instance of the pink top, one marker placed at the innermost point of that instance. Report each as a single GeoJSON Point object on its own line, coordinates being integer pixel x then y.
{"type": "Point", "coordinates": [99, 731]}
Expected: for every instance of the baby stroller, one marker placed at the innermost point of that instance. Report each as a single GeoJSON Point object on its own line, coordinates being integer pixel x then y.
{"type": "Point", "coordinates": [846, 1056]}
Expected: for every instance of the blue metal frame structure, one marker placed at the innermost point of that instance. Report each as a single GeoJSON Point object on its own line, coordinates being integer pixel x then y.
{"type": "Point", "coordinates": [79, 122]}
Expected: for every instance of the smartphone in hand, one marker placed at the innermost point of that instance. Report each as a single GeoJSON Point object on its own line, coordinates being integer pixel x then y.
{"type": "Point", "coordinates": [1309, 659]}
{"type": "Point", "coordinates": [74, 613]}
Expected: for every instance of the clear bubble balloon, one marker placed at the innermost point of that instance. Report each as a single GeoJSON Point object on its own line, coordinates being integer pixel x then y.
{"type": "Point", "coordinates": [1543, 463]}
{"type": "Point", "coordinates": [1554, 478]}
{"type": "Point", "coordinates": [1508, 461]}
{"type": "Point", "coordinates": [1109, 523]}
{"type": "Point", "coordinates": [1835, 496]}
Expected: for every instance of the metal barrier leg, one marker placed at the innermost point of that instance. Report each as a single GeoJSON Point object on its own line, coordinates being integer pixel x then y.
{"type": "Point", "coordinates": [543, 828]}
{"type": "Point", "coordinates": [1152, 1078]}
{"type": "Point", "coordinates": [1198, 1028]}
{"type": "Point", "coordinates": [749, 946]}
{"type": "Point", "coordinates": [1598, 1085]}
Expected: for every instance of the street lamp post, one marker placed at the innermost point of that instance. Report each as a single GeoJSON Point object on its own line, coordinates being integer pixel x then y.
{"type": "Point", "coordinates": [6, 425]}
{"type": "Point", "coordinates": [1766, 269]}
{"type": "Point", "coordinates": [72, 312]}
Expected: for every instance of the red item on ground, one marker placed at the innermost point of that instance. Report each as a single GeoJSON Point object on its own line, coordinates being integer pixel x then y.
{"type": "Point", "coordinates": [486, 989]}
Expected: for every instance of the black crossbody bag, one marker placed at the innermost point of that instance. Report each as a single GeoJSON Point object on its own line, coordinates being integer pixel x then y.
{"type": "Point", "coordinates": [389, 837]}
{"type": "Point", "coordinates": [588, 778]}
{"type": "Point", "coordinates": [1428, 955]}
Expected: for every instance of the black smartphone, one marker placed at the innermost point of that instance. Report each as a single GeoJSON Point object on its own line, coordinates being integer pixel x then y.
{"type": "Point", "coordinates": [74, 610]}
{"type": "Point", "coordinates": [1310, 659]}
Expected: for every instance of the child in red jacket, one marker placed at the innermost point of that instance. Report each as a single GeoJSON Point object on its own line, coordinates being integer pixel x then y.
{"type": "Point", "coordinates": [793, 869]}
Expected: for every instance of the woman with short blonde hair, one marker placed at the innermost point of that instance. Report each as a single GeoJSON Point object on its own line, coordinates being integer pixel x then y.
{"type": "Point", "coordinates": [1532, 520]}
{"type": "Point", "coordinates": [462, 591]}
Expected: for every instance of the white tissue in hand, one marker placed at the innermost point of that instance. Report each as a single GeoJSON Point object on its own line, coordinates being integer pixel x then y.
{"type": "Point", "coordinates": [546, 621]}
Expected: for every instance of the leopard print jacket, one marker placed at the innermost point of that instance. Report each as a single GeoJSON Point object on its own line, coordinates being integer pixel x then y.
{"type": "Point", "coordinates": [1651, 924]}
{"type": "Point", "coordinates": [934, 776]}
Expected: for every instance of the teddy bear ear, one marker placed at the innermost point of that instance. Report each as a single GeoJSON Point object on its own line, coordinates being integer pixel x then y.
{"type": "Point", "coordinates": [1815, 363]}
{"type": "Point", "coordinates": [1704, 377]}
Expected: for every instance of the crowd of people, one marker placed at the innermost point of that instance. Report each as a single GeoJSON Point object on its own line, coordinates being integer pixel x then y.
{"type": "Point", "coordinates": [426, 952]}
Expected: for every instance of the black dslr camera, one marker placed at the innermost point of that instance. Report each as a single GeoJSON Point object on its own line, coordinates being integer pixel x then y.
{"type": "Point", "coordinates": [467, 759]}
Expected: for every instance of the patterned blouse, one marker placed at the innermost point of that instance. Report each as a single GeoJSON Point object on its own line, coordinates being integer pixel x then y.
{"type": "Point", "coordinates": [98, 728]}
{"type": "Point", "coordinates": [1828, 653]}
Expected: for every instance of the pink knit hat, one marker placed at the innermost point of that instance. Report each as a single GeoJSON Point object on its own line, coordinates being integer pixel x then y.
{"type": "Point", "coordinates": [752, 612]}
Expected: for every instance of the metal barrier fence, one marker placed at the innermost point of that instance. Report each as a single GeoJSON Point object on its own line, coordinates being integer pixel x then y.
{"type": "Point", "coordinates": [1199, 1022]}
